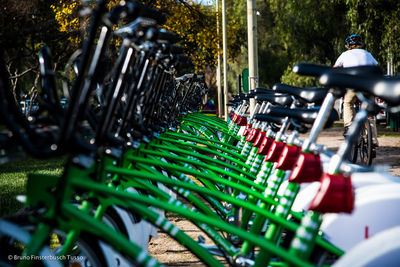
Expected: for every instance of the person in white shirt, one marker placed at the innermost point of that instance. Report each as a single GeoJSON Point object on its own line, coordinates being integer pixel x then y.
{"type": "Point", "coordinates": [353, 57]}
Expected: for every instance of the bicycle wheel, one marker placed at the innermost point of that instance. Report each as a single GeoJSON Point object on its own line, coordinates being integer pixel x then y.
{"type": "Point", "coordinates": [365, 144]}
{"type": "Point", "coordinates": [354, 151]}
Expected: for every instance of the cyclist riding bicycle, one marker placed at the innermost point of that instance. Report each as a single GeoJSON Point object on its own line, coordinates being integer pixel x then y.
{"type": "Point", "coordinates": [353, 57]}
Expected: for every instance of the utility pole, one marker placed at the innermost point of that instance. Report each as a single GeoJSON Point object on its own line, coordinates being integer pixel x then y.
{"type": "Point", "coordinates": [220, 101]}
{"type": "Point", "coordinates": [390, 67]}
{"type": "Point", "coordinates": [225, 64]}
{"type": "Point", "coordinates": [252, 47]}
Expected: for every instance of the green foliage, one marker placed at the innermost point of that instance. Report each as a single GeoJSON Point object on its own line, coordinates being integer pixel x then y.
{"type": "Point", "coordinates": [301, 31]}
{"type": "Point", "coordinates": [378, 22]}
{"type": "Point", "coordinates": [26, 27]}
{"type": "Point", "coordinates": [295, 31]}
{"type": "Point", "coordinates": [290, 77]}
{"type": "Point", "coordinates": [289, 31]}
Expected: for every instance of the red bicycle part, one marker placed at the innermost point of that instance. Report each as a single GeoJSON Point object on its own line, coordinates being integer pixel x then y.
{"type": "Point", "coordinates": [288, 157]}
{"type": "Point", "coordinates": [247, 129]}
{"type": "Point", "coordinates": [307, 169]}
{"type": "Point", "coordinates": [265, 145]}
{"type": "Point", "coordinates": [252, 136]}
{"type": "Point", "coordinates": [335, 195]}
{"type": "Point", "coordinates": [275, 151]}
{"type": "Point", "coordinates": [260, 138]}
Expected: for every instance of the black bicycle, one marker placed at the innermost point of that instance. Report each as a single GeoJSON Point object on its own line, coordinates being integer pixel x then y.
{"type": "Point", "coordinates": [362, 149]}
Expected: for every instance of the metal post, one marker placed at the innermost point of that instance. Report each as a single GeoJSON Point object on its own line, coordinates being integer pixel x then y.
{"type": "Point", "coordinates": [252, 47]}
{"type": "Point", "coordinates": [239, 83]}
{"type": "Point", "coordinates": [219, 87]}
{"type": "Point", "coordinates": [225, 55]}
{"type": "Point", "coordinates": [390, 69]}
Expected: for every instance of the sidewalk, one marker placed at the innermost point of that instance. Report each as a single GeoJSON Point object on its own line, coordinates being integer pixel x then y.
{"type": "Point", "coordinates": [388, 152]}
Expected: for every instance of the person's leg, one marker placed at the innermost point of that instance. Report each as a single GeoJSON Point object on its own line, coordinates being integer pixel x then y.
{"type": "Point", "coordinates": [348, 108]}
{"type": "Point", "coordinates": [372, 123]}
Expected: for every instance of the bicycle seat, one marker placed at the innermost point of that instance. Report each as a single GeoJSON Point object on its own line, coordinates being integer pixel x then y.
{"type": "Point", "coordinates": [133, 28]}
{"type": "Point", "coordinates": [278, 120]}
{"type": "Point", "coordinates": [308, 94]}
{"type": "Point", "coordinates": [175, 49]}
{"type": "Point", "coordinates": [316, 70]}
{"type": "Point", "coordinates": [263, 91]}
{"type": "Point", "coordinates": [302, 115]}
{"type": "Point", "coordinates": [279, 99]}
{"type": "Point", "coordinates": [185, 77]}
{"type": "Point", "coordinates": [132, 10]}
{"type": "Point", "coordinates": [268, 118]}
{"type": "Point", "coordinates": [167, 37]}
{"type": "Point", "coordinates": [386, 88]}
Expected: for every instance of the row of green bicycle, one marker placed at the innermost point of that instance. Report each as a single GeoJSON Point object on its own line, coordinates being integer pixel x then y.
{"type": "Point", "coordinates": [370, 195]}
{"type": "Point", "coordinates": [139, 147]}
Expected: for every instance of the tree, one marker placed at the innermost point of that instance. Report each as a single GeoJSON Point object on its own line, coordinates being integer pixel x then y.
{"type": "Point", "coordinates": [196, 26]}
{"type": "Point", "coordinates": [302, 31]}
{"type": "Point", "coordinates": [25, 28]}
{"type": "Point", "coordinates": [378, 22]}
{"type": "Point", "coordinates": [295, 31]}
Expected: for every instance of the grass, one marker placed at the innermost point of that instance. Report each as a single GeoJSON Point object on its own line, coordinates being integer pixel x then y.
{"type": "Point", "coordinates": [386, 131]}
{"type": "Point", "coordinates": [13, 176]}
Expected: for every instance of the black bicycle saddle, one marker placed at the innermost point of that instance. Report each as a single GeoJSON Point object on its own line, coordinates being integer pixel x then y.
{"type": "Point", "coordinates": [307, 94]}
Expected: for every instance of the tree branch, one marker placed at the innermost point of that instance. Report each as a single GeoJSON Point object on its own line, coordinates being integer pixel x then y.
{"type": "Point", "coordinates": [16, 76]}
